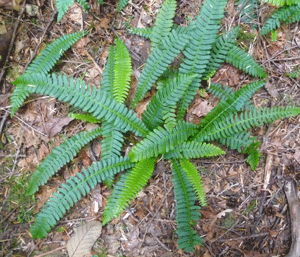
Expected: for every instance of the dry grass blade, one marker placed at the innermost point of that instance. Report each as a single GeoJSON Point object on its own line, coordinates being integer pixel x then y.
{"type": "Point", "coordinates": [84, 238]}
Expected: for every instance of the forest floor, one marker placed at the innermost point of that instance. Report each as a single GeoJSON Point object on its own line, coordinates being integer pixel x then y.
{"type": "Point", "coordinates": [247, 212]}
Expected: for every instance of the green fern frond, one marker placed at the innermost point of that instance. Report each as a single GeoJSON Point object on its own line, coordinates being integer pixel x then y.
{"type": "Point", "coordinates": [233, 103]}
{"type": "Point", "coordinates": [160, 141]}
{"type": "Point", "coordinates": [43, 64]}
{"type": "Point", "coordinates": [234, 123]}
{"type": "Point", "coordinates": [121, 5]}
{"type": "Point", "coordinates": [84, 5]}
{"type": "Point", "coordinates": [190, 150]}
{"type": "Point", "coordinates": [169, 117]}
{"type": "Point", "coordinates": [112, 142]}
{"type": "Point", "coordinates": [144, 32]}
{"type": "Point", "coordinates": [126, 189]}
{"type": "Point", "coordinates": [95, 101]}
{"type": "Point", "coordinates": [219, 91]}
{"type": "Point", "coordinates": [60, 156]}
{"type": "Point", "coordinates": [100, 2]}
{"type": "Point", "coordinates": [122, 71]}
{"type": "Point", "coordinates": [197, 52]}
{"type": "Point", "coordinates": [158, 62]}
{"type": "Point", "coordinates": [73, 190]}
{"type": "Point", "coordinates": [220, 49]}
{"type": "Point", "coordinates": [164, 22]}
{"type": "Point", "coordinates": [84, 117]}
{"type": "Point", "coordinates": [238, 141]}
{"type": "Point", "coordinates": [187, 213]}
{"type": "Point", "coordinates": [196, 180]}
{"type": "Point", "coordinates": [248, 11]}
{"type": "Point", "coordinates": [253, 154]}
{"type": "Point", "coordinates": [62, 7]}
{"type": "Point", "coordinates": [109, 72]}
{"type": "Point", "coordinates": [245, 62]}
{"type": "Point", "coordinates": [287, 14]}
{"type": "Point", "coordinates": [166, 97]}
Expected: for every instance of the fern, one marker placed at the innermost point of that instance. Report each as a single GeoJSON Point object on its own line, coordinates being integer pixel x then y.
{"type": "Point", "coordinates": [248, 11]}
{"type": "Point", "coordinates": [195, 179]}
{"type": "Point", "coordinates": [193, 149]}
{"type": "Point", "coordinates": [253, 154]}
{"type": "Point", "coordinates": [144, 32]}
{"type": "Point", "coordinates": [60, 156]}
{"type": "Point", "coordinates": [62, 7]}
{"type": "Point", "coordinates": [84, 5]}
{"type": "Point", "coordinates": [84, 117]}
{"type": "Point", "coordinates": [197, 53]}
{"type": "Point", "coordinates": [43, 64]}
{"type": "Point", "coordinates": [163, 23]}
{"type": "Point", "coordinates": [167, 97]}
{"type": "Point", "coordinates": [158, 62]}
{"type": "Point", "coordinates": [73, 190]}
{"type": "Point", "coordinates": [287, 14]}
{"type": "Point", "coordinates": [220, 50]}
{"type": "Point", "coordinates": [282, 2]}
{"type": "Point", "coordinates": [186, 211]}
{"type": "Point", "coordinates": [245, 62]}
{"type": "Point", "coordinates": [128, 188]}
{"type": "Point", "coordinates": [122, 71]}
{"type": "Point", "coordinates": [109, 72]}
{"type": "Point", "coordinates": [235, 123]}
{"type": "Point", "coordinates": [121, 5]}
{"type": "Point", "coordinates": [233, 103]}
{"type": "Point", "coordinates": [95, 101]}
{"type": "Point", "coordinates": [160, 141]}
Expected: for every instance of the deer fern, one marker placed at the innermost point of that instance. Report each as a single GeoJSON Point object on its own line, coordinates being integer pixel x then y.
{"type": "Point", "coordinates": [162, 132]}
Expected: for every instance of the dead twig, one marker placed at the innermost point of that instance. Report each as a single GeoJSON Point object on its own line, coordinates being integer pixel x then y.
{"type": "Point", "coordinates": [53, 251]}
{"type": "Point", "coordinates": [5, 116]}
{"type": "Point", "coordinates": [294, 206]}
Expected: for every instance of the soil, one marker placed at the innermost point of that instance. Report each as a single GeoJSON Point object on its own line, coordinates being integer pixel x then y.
{"type": "Point", "coordinates": [247, 212]}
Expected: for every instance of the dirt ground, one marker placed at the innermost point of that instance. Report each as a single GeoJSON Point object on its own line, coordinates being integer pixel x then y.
{"type": "Point", "coordinates": [247, 212]}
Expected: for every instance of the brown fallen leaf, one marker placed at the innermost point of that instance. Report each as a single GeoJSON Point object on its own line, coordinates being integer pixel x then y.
{"type": "Point", "coordinates": [81, 243]}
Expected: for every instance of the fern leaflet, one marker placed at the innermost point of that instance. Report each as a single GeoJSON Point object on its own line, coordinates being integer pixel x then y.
{"type": "Point", "coordinates": [84, 5]}
{"type": "Point", "coordinates": [144, 32]}
{"type": "Point", "coordinates": [253, 154]}
{"type": "Point", "coordinates": [95, 101]}
{"type": "Point", "coordinates": [121, 5]}
{"type": "Point", "coordinates": [161, 140]}
{"type": "Point", "coordinates": [245, 62]}
{"type": "Point", "coordinates": [128, 188]}
{"type": "Point", "coordinates": [62, 6]}
{"type": "Point", "coordinates": [73, 190]}
{"type": "Point", "coordinates": [187, 213]}
{"type": "Point", "coordinates": [195, 179]}
{"type": "Point", "coordinates": [84, 117]}
{"type": "Point", "coordinates": [282, 2]}
{"type": "Point", "coordinates": [109, 72]}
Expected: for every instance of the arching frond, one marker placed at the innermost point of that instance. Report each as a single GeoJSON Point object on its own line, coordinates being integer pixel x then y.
{"type": "Point", "coordinates": [187, 213]}
{"type": "Point", "coordinates": [95, 101]}
{"type": "Point", "coordinates": [235, 123]}
{"type": "Point", "coordinates": [73, 190]}
{"type": "Point", "coordinates": [245, 62]}
{"type": "Point", "coordinates": [43, 64]}
{"type": "Point", "coordinates": [163, 23]}
{"type": "Point", "coordinates": [232, 104]}
{"type": "Point", "coordinates": [144, 32]}
{"type": "Point", "coordinates": [197, 52]}
{"type": "Point", "coordinates": [109, 72]}
{"type": "Point", "coordinates": [126, 189]}
{"type": "Point", "coordinates": [166, 97]}
{"type": "Point", "coordinates": [122, 71]}
{"type": "Point", "coordinates": [196, 180]}
{"type": "Point", "coordinates": [60, 156]}
{"type": "Point", "coordinates": [219, 51]}
{"type": "Point", "coordinates": [161, 141]}
{"type": "Point", "coordinates": [190, 150]}
{"type": "Point", "coordinates": [287, 14]}
{"type": "Point", "coordinates": [158, 62]}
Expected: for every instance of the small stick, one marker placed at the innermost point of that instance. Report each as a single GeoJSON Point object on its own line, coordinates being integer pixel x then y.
{"type": "Point", "coordinates": [294, 206]}
{"type": "Point", "coordinates": [53, 251]}
{"type": "Point", "coordinates": [6, 114]}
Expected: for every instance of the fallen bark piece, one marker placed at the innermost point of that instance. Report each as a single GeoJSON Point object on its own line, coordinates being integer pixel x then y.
{"type": "Point", "coordinates": [294, 206]}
